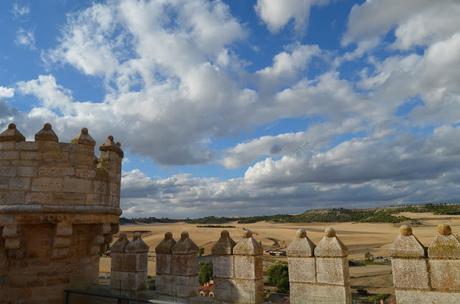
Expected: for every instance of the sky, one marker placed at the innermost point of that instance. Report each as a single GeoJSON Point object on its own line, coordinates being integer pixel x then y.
{"type": "Point", "coordinates": [246, 107]}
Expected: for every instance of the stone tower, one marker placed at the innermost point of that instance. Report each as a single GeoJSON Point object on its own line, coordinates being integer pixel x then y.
{"type": "Point", "coordinates": [59, 206]}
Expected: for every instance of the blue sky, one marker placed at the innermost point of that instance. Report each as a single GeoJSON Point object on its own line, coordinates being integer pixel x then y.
{"type": "Point", "coordinates": [246, 107]}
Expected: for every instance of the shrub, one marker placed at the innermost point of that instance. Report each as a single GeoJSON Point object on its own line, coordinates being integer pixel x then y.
{"type": "Point", "coordinates": [278, 276]}
{"type": "Point", "coordinates": [205, 274]}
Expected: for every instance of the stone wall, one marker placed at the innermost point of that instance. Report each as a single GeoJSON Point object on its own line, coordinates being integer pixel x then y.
{"type": "Point", "coordinates": [318, 274]}
{"type": "Point", "coordinates": [426, 275]}
{"type": "Point", "coordinates": [59, 206]}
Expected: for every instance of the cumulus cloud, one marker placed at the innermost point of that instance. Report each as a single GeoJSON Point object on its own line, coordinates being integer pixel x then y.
{"type": "Point", "coordinates": [415, 23]}
{"type": "Point", "coordinates": [276, 14]}
{"type": "Point", "coordinates": [175, 83]}
{"type": "Point", "coordinates": [288, 64]}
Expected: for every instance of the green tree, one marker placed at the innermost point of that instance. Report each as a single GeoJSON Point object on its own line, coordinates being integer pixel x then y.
{"type": "Point", "coordinates": [278, 275]}
{"type": "Point", "coordinates": [205, 274]}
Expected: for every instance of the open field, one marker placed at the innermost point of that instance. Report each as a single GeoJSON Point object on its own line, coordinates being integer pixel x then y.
{"type": "Point", "coordinates": [359, 237]}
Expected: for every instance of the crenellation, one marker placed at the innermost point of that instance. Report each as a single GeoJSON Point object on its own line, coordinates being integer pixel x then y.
{"type": "Point", "coordinates": [318, 274]}
{"type": "Point", "coordinates": [426, 275]}
{"type": "Point", "coordinates": [248, 269]}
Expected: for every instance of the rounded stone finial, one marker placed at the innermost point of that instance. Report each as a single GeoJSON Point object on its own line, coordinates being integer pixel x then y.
{"type": "Point", "coordinates": [330, 232]}
{"type": "Point", "coordinates": [224, 234]}
{"type": "Point", "coordinates": [405, 230]}
{"type": "Point", "coordinates": [137, 235]}
{"type": "Point", "coordinates": [11, 134]}
{"type": "Point", "coordinates": [168, 236]}
{"type": "Point", "coordinates": [84, 138]}
{"type": "Point", "coordinates": [301, 233]}
{"type": "Point", "coordinates": [184, 235]}
{"type": "Point", "coordinates": [46, 134]}
{"type": "Point", "coordinates": [247, 234]}
{"type": "Point", "coordinates": [110, 145]}
{"type": "Point", "coordinates": [444, 229]}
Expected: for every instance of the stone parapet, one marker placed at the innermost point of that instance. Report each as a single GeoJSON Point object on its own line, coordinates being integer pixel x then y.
{"type": "Point", "coordinates": [177, 267]}
{"type": "Point", "coordinates": [248, 270]}
{"type": "Point", "coordinates": [426, 275]}
{"type": "Point", "coordinates": [59, 206]}
{"type": "Point", "coordinates": [318, 274]}
{"type": "Point", "coordinates": [129, 264]}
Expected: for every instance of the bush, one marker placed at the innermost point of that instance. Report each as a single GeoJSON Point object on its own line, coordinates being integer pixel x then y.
{"type": "Point", "coordinates": [205, 274]}
{"type": "Point", "coordinates": [278, 275]}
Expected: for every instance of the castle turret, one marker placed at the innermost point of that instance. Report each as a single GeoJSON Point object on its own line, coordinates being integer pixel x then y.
{"type": "Point", "coordinates": [59, 206]}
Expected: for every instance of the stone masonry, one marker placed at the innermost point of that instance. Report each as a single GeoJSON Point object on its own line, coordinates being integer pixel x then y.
{"type": "Point", "coordinates": [318, 274]}
{"type": "Point", "coordinates": [225, 289]}
{"type": "Point", "coordinates": [184, 267]}
{"type": "Point", "coordinates": [164, 281]}
{"type": "Point", "coordinates": [248, 270]}
{"type": "Point", "coordinates": [129, 264]}
{"type": "Point", "coordinates": [59, 206]}
{"type": "Point", "coordinates": [177, 267]}
{"type": "Point", "coordinates": [422, 275]}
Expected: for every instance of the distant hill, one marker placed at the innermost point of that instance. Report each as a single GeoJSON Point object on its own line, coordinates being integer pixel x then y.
{"type": "Point", "coordinates": [368, 215]}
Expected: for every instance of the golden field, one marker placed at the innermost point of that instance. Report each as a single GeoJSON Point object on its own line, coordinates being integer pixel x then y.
{"type": "Point", "coordinates": [359, 237]}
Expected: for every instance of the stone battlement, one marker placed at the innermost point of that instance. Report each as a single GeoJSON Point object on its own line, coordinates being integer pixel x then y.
{"type": "Point", "coordinates": [59, 207]}
{"type": "Point", "coordinates": [48, 176]}
{"type": "Point", "coordinates": [426, 274]}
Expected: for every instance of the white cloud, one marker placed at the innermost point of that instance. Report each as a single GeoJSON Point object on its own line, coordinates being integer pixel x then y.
{"type": "Point", "coordinates": [6, 92]}
{"type": "Point", "coordinates": [174, 83]}
{"type": "Point", "coordinates": [20, 10]}
{"type": "Point", "coordinates": [288, 64]}
{"type": "Point", "coordinates": [416, 23]}
{"type": "Point", "coordinates": [25, 38]}
{"type": "Point", "coordinates": [48, 91]}
{"type": "Point", "coordinates": [276, 14]}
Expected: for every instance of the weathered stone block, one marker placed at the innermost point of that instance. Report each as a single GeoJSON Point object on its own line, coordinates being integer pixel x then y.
{"type": "Point", "coordinates": [406, 245]}
{"type": "Point", "coordinates": [165, 284]}
{"type": "Point", "coordinates": [426, 297]}
{"type": "Point", "coordinates": [117, 262]}
{"type": "Point", "coordinates": [26, 171]}
{"type": "Point", "coordinates": [19, 183]}
{"type": "Point", "coordinates": [163, 263]}
{"type": "Point", "coordinates": [9, 155]}
{"type": "Point", "coordinates": [118, 279]}
{"type": "Point", "coordinates": [12, 243]}
{"type": "Point", "coordinates": [136, 262]}
{"type": "Point", "coordinates": [47, 184]}
{"type": "Point", "coordinates": [444, 246]}
{"type": "Point", "coordinates": [223, 266]}
{"type": "Point", "coordinates": [62, 241]}
{"type": "Point", "coordinates": [136, 281]}
{"type": "Point", "coordinates": [445, 274]}
{"type": "Point", "coordinates": [302, 269]}
{"type": "Point", "coordinates": [184, 264]}
{"type": "Point", "coordinates": [226, 290]}
{"type": "Point", "coordinates": [410, 273]}
{"type": "Point", "coordinates": [303, 293]}
{"type": "Point", "coordinates": [64, 229]}
{"type": "Point", "coordinates": [332, 270]}
{"type": "Point", "coordinates": [248, 267]}
{"type": "Point", "coordinates": [250, 291]}
{"type": "Point", "coordinates": [74, 184]}
{"type": "Point", "coordinates": [187, 286]}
